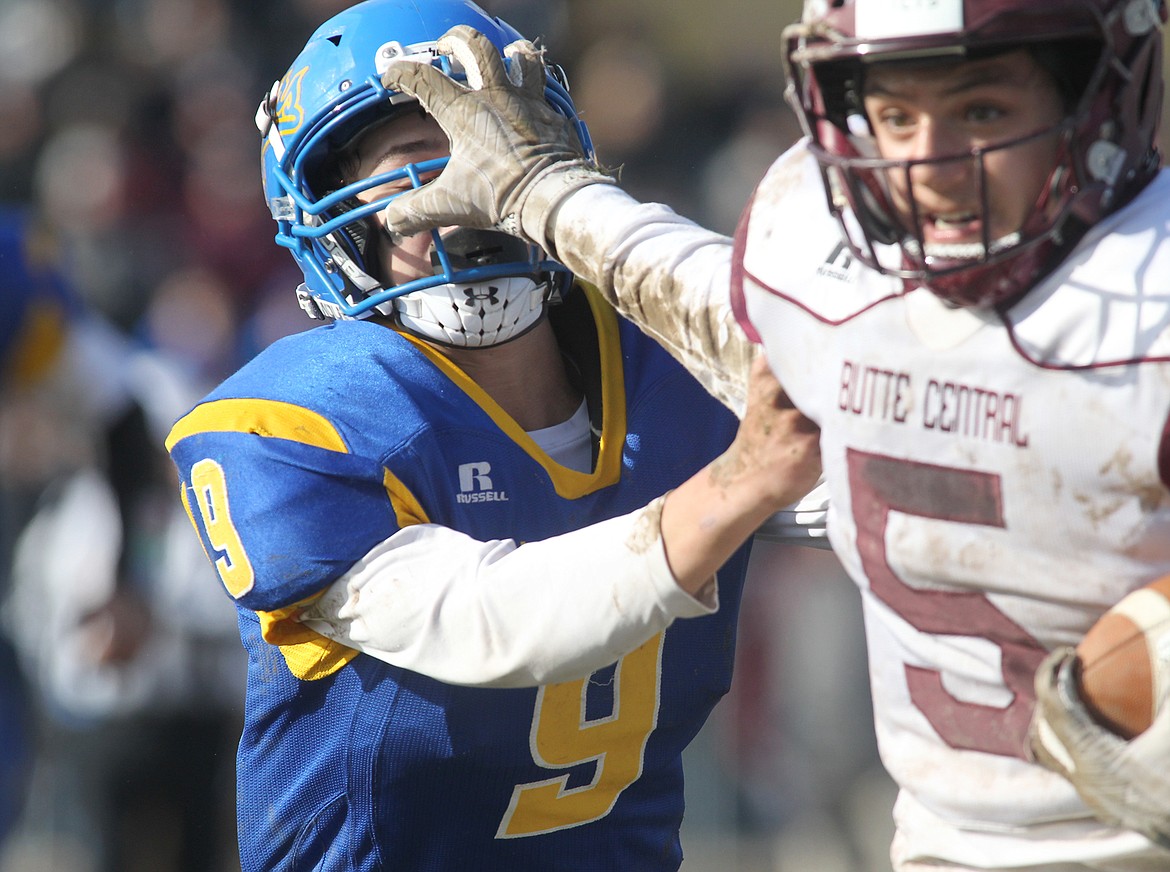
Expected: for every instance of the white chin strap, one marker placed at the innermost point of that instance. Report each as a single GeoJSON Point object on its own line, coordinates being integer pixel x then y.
{"type": "Point", "coordinates": [475, 315]}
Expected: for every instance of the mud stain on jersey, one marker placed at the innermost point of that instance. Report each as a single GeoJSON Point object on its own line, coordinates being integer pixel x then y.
{"type": "Point", "coordinates": [1150, 494]}
{"type": "Point", "coordinates": [1122, 486]}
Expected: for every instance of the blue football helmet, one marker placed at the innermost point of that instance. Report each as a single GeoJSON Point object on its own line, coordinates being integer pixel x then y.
{"type": "Point", "coordinates": [487, 287]}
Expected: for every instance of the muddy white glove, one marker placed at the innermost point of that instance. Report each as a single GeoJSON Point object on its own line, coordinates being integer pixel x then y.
{"type": "Point", "coordinates": [513, 157]}
{"type": "Point", "coordinates": [1125, 783]}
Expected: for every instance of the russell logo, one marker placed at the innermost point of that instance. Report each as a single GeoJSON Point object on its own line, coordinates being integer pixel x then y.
{"type": "Point", "coordinates": [475, 484]}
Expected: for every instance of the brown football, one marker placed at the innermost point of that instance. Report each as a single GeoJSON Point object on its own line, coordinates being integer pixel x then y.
{"type": "Point", "coordinates": [1117, 668]}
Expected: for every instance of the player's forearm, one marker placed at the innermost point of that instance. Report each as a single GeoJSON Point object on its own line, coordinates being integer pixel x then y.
{"type": "Point", "coordinates": [703, 523]}
{"type": "Point", "coordinates": [772, 463]}
{"type": "Point", "coordinates": [496, 614]}
{"type": "Point", "coordinates": [435, 601]}
{"type": "Point", "coordinates": [666, 274]}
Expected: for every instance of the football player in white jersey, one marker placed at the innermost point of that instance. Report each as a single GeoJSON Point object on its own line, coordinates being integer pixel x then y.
{"type": "Point", "coordinates": [962, 275]}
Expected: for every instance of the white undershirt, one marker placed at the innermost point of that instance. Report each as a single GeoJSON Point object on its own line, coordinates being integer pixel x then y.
{"type": "Point", "coordinates": [568, 443]}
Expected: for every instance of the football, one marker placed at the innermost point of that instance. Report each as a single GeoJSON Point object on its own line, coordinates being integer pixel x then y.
{"type": "Point", "coordinates": [1120, 670]}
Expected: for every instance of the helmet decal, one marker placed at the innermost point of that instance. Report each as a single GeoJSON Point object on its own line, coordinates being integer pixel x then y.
{"type": "Point", "coordinates": [289, 115]}
{"type": "Point", "coordinates": [877, 19]}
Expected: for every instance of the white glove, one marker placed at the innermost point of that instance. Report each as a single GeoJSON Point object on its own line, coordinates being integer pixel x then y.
{"type": "Point", "coordinates": [1126, 784]}
{"type": "Point", "coordinates": [513, 157]}
{"type": "Point", "coordinates": [805, 522]}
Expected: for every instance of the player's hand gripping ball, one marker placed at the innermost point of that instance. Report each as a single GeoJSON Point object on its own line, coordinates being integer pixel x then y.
{"type": "Point", "coordinates": [1102, 715]}
{"type": "Point", "coordinates": [1125, 661]}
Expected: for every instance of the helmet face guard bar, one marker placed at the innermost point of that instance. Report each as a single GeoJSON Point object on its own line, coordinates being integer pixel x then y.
{"type": "Point", "coordinates": [1106, 59]}
{"type": "Point", "coordinates": [861, 192]}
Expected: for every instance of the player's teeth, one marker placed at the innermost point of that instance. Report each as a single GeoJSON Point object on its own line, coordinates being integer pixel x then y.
{"type": "Point", "coordinates": [952, 220]}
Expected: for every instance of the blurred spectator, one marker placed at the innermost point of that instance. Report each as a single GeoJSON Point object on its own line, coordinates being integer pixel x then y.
{"type": "Point", "coordinates": [126, 125]}
{"type": "Point", "coordinates": [135, 675]}
{"type": "Point", "coordinates": [29, 329]}
{"type": "Point", "coordinates": [627, 65]}
{"type": "Point", "coordinates": [762, 128]}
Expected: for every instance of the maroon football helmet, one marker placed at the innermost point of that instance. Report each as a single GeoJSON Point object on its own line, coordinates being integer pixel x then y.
{"type": "Point", "coordinates": [1105, 54]}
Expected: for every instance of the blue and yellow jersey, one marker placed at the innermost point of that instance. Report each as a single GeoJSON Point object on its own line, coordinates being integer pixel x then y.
{"type": "Point", "coordinates": [322, 447]}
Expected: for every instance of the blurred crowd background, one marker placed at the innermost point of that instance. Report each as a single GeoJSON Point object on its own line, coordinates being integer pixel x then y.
{"type": "Point", "coordinates": [130, 200]}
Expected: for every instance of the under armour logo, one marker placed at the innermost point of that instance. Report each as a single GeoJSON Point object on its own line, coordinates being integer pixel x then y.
{"type": "Point", "coordinates": [479, 295]}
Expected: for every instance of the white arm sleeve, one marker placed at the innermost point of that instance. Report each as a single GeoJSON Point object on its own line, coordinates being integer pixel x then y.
{"type": "Point", "coordinates": [665, 273]}
{"type": "Point", "coordinates": [672, 278]}
{"type": "Point", "coordinates": [496, 614]}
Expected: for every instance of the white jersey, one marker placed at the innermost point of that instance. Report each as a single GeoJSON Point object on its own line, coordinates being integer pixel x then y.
{"type": "Point", "coordinates": [996, 483]}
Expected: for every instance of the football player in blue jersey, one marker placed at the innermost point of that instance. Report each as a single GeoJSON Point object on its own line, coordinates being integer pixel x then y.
{"type": "Point", "coordinates": [474, 450]}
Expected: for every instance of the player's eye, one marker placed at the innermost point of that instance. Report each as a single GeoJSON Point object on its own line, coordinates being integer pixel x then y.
{"type": "Point", "coordinates": [895, 120]}
{"type": "Point", "coordinates": [984, 114]}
